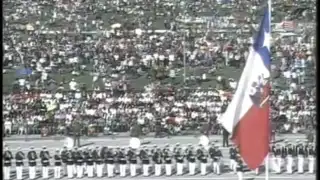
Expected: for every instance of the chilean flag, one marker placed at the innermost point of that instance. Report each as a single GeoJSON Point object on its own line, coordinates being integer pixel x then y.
{"type": "Point", "coordinates": [247, 116]}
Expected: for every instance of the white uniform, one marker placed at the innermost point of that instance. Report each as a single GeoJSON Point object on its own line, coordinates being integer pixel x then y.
{"type": "Point", "coordinates": [32, 172]}
{"type": "Point", "coordinates": [157, 169]}
{"type": "Point", "coordinates": [19, 170]}
{"type": "Point", "coordinates": [278, 162]}
{"type": "Point", "coordinates": [145, 162]}
{"type": "Point", "coordinates": [203, 163]}
{"type": "Point", "coordinates": [311, 161]}
{"type": "Point", "coordinates": [133, 170]}
{"type": "Point", "coordinates": [6, 172]}
{"type": "Point", "coordinates": [168, 165]}
{"type": "Point", "coordinates": [74, 170]}
{"type": "Point", "coordinates": [240, 175]}
{"type": "Point", "coordinates": [57, 165]}
{"type": "Point", "coordinates": [192, 162]}
{"type": "Point", "coordinates": [179, 163]}
{"type": "Point", "coordinates": [19, 165]}
{"type": "Point", "coordinates": [192, 167]}
{"type": "Point", "coordinates": [239, 171]}
{"type": "Point", "coordinates": [289, 160]}
{"type": "Point", "coordinates": [289, 164]}
{"type": "Point", "coordinates": [70, 171]}
{"type": "Point", "coordinates": [203, 167]}
{"type": "Point", "coordinates": [300, 159]}
{"type": "Point", "coordinates": [70, 165]}
{"type": "Point", "coordinates": [216, 161]}
{"type": "Point", "coordinates": [100, 169]}
{"type": "Point", "coordinates": [274, 165]}
{"type": "Point", "coordinates": [45, 172]}
{"type": "Point", "coordinates": [179, 169]}
{"type": "Point", "coordinates": [79, 171]}
{"type": "Point", "coordinates": [7, 160]}
{"type": "Point", "coordinates": [145, 169]}
{"type": "Point", "coordinates": [122, 163]}
{"type": "Point", "coordinates": [216, 167]}
{"type": "Point", "coordinates": [168, 169]}
{"type": "Point", "coordinates": [57, 172]}
{"type": "Point", "coordinates": [233, 165]}
{"type": "Point", "coordinates": [45, 168]}
{"type": "Point", "coordinates": [110, 170]}
{"type": "Point", "coordinates": [300, 163]}
{"type": "Point", "coordinates": [90, 170]}
{"type": "Point", "coordinates": [256, 171]}
{"type": "Point", "coordinates": [122, 168]}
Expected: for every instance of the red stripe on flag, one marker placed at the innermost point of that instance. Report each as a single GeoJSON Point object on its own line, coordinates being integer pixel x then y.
{"type": "Point", "coordinates": [253, 130]}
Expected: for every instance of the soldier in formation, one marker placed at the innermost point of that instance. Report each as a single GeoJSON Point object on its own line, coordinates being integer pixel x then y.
{"type": "Point", "coordinates": [157, 159]}
{"type": "Point", "coordinates": [144, 156]}
{"type": "Point", "coordinates": [98, 162]}
{"type": "Point", "coordinates": [45, 157]}
{"type": "Point", "coordinates": [191, 157]}
{"type": "Point", "coordinates": [7, 158]}
{"type": "Point", "coordinates": [203, 158]}
{"type": "Point", "coordinates": [116, 160]}
{"type": "Point", "coordinates": [232, 156]}
{"type": "Point", "coordinates": [110, 161]}
{"type": "Point", "coordinates": [179, 157]}
{"type": "Point", "coordinates": [239, 167]}
{"type": "Point", "coordinates": [32, 159]}
{"type": "Point", "coordinates": [70, 163]}
{"type": "Point", "coordinates": [89, 163]}
{"type": "Point", "coordinates": [272, 150]}
{"type": "Point", "coordinates": [167, 156]}
{"type": "Point", "coordinates": [311, 153]}
{"type": "Point", "coordinates": [81, 162]}
{"type": "Point", "coordinates": [217, 160]}
{"type": "Point", "coordinates": [278, 159]}
{"type": "Point", "coordinates": [19, 163]}
{"type": "Point", "coordinates": [122, 162]}
{"type": "Point", "coordinates": [290, 154]}
{"type": "Point", "coordinates": [133, 160]}
{"type": "Point", "coordinates": [300, 159]}
{"type": "Point", "coordinates": [57, 164]}
{"type": "Point", "coordinates": [64, 157]}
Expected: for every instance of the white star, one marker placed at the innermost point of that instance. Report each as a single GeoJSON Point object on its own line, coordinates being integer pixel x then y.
{"type": "Point", "coordinates": [267, 39]}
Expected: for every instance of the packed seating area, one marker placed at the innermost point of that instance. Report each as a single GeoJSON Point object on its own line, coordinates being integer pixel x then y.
{"type": "Point", "coordinates": [112, 64]}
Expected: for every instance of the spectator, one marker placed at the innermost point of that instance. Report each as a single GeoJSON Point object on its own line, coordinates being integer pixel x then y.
{"type": "Point", "coordinates": [113, 64]}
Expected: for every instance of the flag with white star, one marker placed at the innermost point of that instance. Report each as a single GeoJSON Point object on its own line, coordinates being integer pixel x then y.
{"type": "Point", "coordinates": [247, 116]}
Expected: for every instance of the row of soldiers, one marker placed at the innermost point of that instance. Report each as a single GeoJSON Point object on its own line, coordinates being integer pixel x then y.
{"type": "Point", "coordinates": [293, 155]}
{"type": "Point", "coordinates": [100, 161]}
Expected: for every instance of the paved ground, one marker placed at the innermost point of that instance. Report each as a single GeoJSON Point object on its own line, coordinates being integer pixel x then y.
{"type": "Point", "coordinates": [126, 135]}
{"type": "Point", "coordinates": [225, 176]}
{"type": "Point", "coordinates": [124, 141]}
{"type": "Point", "coordinates": [198, 177]}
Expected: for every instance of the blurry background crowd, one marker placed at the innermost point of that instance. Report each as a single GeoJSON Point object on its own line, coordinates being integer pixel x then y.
{"type": "Point", "coordinates": [174, 64]}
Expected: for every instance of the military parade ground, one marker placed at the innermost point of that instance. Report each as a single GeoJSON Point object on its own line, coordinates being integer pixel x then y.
{"type": "Point", "coordinates": [150, 142]}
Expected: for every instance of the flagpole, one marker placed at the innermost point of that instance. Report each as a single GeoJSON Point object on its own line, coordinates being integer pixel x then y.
{"type": "Point", "coordinates": [267, 166]}
{"type": "Point", "coordinates": [184, 57]}
{"type": "Point", "coordinates": [267, 158]}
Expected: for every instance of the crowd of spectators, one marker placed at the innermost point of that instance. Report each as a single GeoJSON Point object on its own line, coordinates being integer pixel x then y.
{"type": "Point", "coordinates": [112, 64]}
